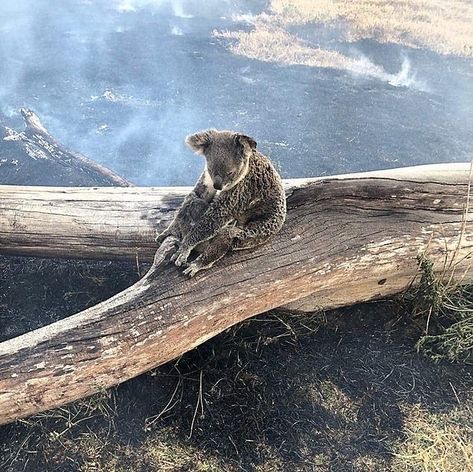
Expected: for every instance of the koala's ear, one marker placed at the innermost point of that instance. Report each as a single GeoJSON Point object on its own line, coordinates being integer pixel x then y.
{"type": "Point", "coordinates": [199, 141]}
{"type": "Point", "coordinates": [243, 139]}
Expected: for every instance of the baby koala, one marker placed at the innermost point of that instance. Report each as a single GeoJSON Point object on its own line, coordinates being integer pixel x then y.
{"type": "Point", "coordinates": [237, 203]}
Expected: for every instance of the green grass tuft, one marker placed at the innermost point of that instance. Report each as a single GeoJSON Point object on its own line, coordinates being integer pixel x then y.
{"type": "Point", "coordinates": [445, 313]}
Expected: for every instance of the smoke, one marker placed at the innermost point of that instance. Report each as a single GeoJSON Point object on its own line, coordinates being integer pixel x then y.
{"type": "Point", "coordinates": [117, 97]}
{"type": "Point", "coordinates": [364, 67]}
{"type": "Point", "coordinates": [406, 78]}
{"type": "Point", "coordinates": [12, 53]}
{"type": "Point", "coordinates": [91, 74]}
{"type": "Point", "coordinates": [124, 81]}
{"type": "Point", "coordinates": [177, 6]}
{"type": "Point", "coordinates": [176, 31]}
{"type": "Point", "coordinates": [246, 18]}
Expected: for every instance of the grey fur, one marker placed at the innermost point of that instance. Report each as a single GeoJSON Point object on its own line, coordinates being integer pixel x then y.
{"type": "Point", "coordinates": [248, 209]}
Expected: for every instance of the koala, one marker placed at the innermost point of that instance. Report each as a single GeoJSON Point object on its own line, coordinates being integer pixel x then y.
{"type": "Point", "coordinates": [238, 202]}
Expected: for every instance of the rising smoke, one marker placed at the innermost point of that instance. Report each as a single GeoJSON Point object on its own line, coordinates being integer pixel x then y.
{"type": "Point", "coordinates": [124, 81]}
{"type": "Point", "coordinates": [364, 67]}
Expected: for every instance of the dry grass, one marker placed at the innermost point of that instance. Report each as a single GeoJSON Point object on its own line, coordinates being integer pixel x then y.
{"type": "Point", "coordinates": [329, 396]}
{"type": "Point", "coordinates": [435, 442]}
{"type": "Point", "coordinates": [70, 435]}
{"type": "Point", "coordinates": [441, 25]}
{"type": "Point", "coordinates": [448, 332]}
{"type": "Point", "coordinates": [94, 451]}
{"type": "Point", "coordinates": [442, 303]}
{"type": "Point", "coordinates": [277, 45]}
{"type": "Point", "coordinates": [278, 392]}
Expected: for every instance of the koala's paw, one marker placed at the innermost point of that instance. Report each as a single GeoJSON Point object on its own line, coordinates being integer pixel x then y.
{"type": "Point", "coordinates": [180, 256]}
{"type": "Point", "coordinates": [192, 269]}
{"type": "Point", "coordinates": [236, 232]}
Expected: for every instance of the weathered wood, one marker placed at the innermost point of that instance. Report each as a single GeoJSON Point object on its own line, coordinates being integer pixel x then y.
{"type": "Point", "coordinates": [34, 155]}
{"type": "Point", "coordinates": [345, 240]}
{"type": "Point", "coordinates": [80, 222]}
{"type": "Point", "coordinates": [111, 223]}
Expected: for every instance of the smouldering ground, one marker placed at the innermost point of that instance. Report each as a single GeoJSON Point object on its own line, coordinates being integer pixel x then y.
{"type": "Point", "coordinates": [345, 391]}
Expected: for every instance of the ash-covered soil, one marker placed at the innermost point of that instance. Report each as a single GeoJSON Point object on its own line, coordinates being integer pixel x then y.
{"type": "Point", "coordinates": [36, 292]}
{"type": "Point", "coordinates": [280, 392]}
{"type": "Point", "coordinates": [124, 82]}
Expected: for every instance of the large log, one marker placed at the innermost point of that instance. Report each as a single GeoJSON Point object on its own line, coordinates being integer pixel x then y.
{"type": "Point", "coordinates": [112, 223]}
{"type": "Point", "coordinates": [34, 155]}
{"type": "Point", "coordinates": [345, 240]}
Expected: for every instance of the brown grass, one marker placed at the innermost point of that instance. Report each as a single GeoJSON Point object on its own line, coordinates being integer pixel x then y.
{"type": "Point", "coordinates": [280, 392]}
{"type": "Point", "coordinates": [277, 45]}
{"type": "Point", "coordinates": [277, 392]}
{"type": "Point", "coordinates": [435, 442]}
{"type": "Point", "coordinates": [441, 25]}
{"type": "Point", "coordinates": [165, 454]}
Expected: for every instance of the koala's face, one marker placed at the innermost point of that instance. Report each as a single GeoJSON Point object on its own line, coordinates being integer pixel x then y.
{"type": "Point", "coordinates": [227, 154]}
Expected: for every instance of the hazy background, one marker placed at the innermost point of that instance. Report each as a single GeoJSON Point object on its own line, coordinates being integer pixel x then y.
{"type": "Point", "coordinates": [124, 81]}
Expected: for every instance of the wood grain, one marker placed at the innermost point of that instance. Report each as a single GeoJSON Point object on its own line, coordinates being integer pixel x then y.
{"type": "Point", "coordinates": [346, 239]}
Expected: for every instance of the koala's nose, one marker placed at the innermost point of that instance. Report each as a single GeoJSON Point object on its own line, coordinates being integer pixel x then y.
{"type": "Point", "coordinates": [217, 182]}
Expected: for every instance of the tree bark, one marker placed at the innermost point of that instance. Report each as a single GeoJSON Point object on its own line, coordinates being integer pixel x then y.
{"type": "Point", "coordinates": [112, 223]}
{"type": "Point", "coordinates": [346, 239]}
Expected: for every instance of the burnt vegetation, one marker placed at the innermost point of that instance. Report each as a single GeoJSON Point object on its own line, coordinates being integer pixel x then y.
{"type": "Point", "coordinates": [383, 386]}
{"type": "Point", "coordinates": [327, 391]}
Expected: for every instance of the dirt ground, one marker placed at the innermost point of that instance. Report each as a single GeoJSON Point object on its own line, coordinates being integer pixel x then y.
{"type": "Point", "coordinates": [340, 391]}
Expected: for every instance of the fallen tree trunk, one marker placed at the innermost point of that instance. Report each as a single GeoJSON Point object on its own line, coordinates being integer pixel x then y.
{"type": "Point", "coordinates": [345, 240]}
{"type": "Point", "coordinates": [120, 223]}
{"type": "Point", "coordinates": [34, 155]}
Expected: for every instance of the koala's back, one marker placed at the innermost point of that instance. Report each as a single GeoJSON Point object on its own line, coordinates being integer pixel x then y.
{"type": "Point", "coordinates": [264, 176]}
{"type": "Point", "coordinates": [262, 190]}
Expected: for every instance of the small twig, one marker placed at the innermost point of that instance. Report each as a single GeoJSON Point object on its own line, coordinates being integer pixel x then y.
{"type": "Point", "coordinates": [199, 401]}
{"type": "Point", "coordinates": [165, 409]}
{"type": "Point", "coordinates": [137, 260]}
{"type": "Point", "coordinates": [428, 321]}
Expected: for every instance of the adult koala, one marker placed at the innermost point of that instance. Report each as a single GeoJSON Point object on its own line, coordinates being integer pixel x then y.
{"type": "Point", "coordinates": [237, 203]}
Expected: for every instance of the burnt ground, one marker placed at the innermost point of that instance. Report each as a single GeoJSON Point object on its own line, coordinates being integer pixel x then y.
{"type": "Point", "coordinates": [125, 88]}
{"type": "Point", "coordinates": [279, 392]}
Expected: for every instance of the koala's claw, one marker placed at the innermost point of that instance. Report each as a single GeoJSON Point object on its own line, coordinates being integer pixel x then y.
{"type": "Point", "coordinates": [160, 237]}
{"type": "Point", "coordinates": [192, 269]}
{"type": "Point", "coordinates": [180, 256]}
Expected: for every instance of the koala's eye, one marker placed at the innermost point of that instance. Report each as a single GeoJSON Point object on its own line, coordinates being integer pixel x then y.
{"type": "Point", "coordinates": [231, 173]}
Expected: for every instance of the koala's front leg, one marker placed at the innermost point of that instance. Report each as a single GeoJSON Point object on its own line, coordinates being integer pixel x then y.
{"type": "Point", "coordinates": [160, 237]}
{"type": "Point", "coordinates": [174, 227]}
{"type": "Point", "coordinates": [215, 250]}
{"type": "Point", "coordinates": [214, 219]}
{"type": "Point", "coordinates": [181, 255]}
{"type": "Point", "coordinates": [168, 246]}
